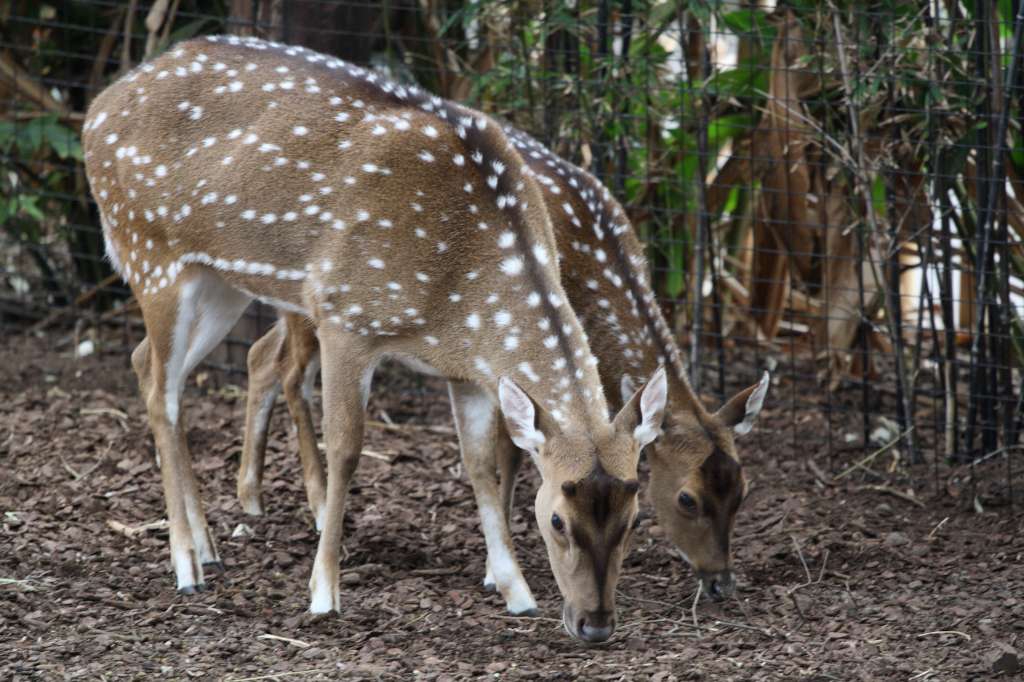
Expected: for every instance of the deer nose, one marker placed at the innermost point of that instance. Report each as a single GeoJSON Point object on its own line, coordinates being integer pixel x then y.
{"type": "Point", "coordinates": [720, 585]}
{"type": "Point", "coordinates": [596, 627]}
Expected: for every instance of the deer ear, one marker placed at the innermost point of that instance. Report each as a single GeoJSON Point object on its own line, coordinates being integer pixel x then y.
{"type": "Point", "coordinates": [644, 411]}
{"type": "Point", "coordinates": [520, 416]}
{"type": "Point", "coordinates": [627, 387]}
{"type": "Point", "coordinates": [741, 411]}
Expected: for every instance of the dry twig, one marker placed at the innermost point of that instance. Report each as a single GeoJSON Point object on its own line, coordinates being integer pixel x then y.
{"type": "Point", "coordinates": [294, 642]}
{"type": "Point", "coordinates": [886, 490]}
{"type": "Point", "coordinates": [945, 632]}
{"type": "Point", "coordinates": [277, 676]}
{"type": "Point", "coordinates": [862, 463]}
{"type": "Point", "coordinates": [133, 531]}
{"type": "Point", "coordinates": [693, 609]}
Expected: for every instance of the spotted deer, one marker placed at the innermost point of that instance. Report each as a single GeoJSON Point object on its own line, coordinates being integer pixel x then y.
{"type": "Point", "coordinates": [397, 224]}
{"type": "Point", "coordinates": [696, 483]}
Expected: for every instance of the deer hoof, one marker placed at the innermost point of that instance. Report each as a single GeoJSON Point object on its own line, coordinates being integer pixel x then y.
{"type": "Point", "coordinates": [214, 567]}
{"type": "Point", "coordinates": [528, 613]}
{"type": "Point", "coordinates": [192, 589]}
{"type": "Point", "coordinates": [251, 504]}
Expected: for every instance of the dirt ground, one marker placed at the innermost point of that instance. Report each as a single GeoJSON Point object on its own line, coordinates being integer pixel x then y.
{"type": "Point", "coordinates": [837, 582]}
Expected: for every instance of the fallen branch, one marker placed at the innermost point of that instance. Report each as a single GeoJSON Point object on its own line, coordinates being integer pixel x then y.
{"type": "Point", "coordinates": [886, 490]}
{"type": "Point", "coordinates": [742, 626]}
{"type": "Point", "coordinates": [288, 640]}
{"type": "Point", "coordinates": [134, 531]}
{"type": "Point", "coordinates": [820, 475]}
{"type": "Point", "coordinates": [22, 80]}
{"type": "Point", "coordinates": [436, 571]}
{"type": "Point", "coordinates": [861, 464]}
{"type": "Point", "coordinates": [277, 676]}
{"type": "Point", "coordinates": [945, 632]}
{"type": "Point", "coordinates": [444, 430]}
{"type": "Point", "coordinates": [799, 553]}
{"type": "Point", "coordinates": [82, 299]}
{"type": "Point", "coordinates": [104, 410]}
{"type": "Point", "coordinates": [693, 609]}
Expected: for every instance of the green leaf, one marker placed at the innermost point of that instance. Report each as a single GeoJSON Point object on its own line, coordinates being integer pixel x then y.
{"type": "Point", "coordinates": [30, 135]}
{"type": "Point", "coordinates": [724, 128]}
{"type": "Point", "coordinates": [63, 140]}
{"type": "Point", "coordinates": [6, 132]}
{"type": "Point", "coordinates": [746, 21]}
{"type": "Point", "coordinates": [189, 30]}
{"type": "Point", "coordinates": [26, 203]}
{"type": "Point", "coordinates": [878, 198]}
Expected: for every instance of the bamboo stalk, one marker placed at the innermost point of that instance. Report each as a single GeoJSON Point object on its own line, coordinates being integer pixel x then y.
{"type": "Point", "coordinates": [987, 211]}
{"type": "Point", "coordinates": [864, 188]}
{"type": "Point", "coordinates": [701, 237]}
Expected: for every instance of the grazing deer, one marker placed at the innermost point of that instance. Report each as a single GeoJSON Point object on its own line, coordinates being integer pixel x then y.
{"type": "Point", "coordinates": [697, 481]}
{"type": "Point", "coordinates": [400, 225]}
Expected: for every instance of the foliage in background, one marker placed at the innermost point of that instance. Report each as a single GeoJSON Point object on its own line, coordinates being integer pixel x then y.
{"type": "Point", "coordinates": [813, 177]}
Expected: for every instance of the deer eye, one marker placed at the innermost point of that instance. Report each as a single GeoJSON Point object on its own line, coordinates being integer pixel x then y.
{"type": "Point", "coordinates": [557, 523]}
{"type": "Point", "coordinates": [687, 503]}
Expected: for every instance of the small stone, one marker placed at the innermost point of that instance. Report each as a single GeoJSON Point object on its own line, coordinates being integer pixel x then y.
{"type": "Point", "coordinates": [242, 530]}
{"type": "Point", "coordinates": [351, 578]}
{"type": "Point", "coordinates": [656, 531]}
{"type": "Point", "coordinates": [896, 539]}
{"type": "Point", "coordinates": [880, 436]}
{"type": "Point", "coordinates": [1008, 664]}
{"type": "Point", "coordinates": [85, 349]}
{"type": "Point", "coordinates": [496, 667]}
{"type": "Point", "coordinates": [636, 644]}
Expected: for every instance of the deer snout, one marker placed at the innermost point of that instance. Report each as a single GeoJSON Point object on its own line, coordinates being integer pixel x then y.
{"type": "Point", "coordinates": [720, 585]}
{"type": "Point", "coordinates": [592, 627]}
{"type": "Point", "coordinates": [596, 626]}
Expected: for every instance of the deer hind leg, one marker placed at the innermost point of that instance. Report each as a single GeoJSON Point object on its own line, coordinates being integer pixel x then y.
{"type": "Point", "coordinates": [347, 373]}
{"type": "Point", "coordinates": [477, 420]}
{"type": "Point", "coordinates": [183, 324]}
{"type": "Point", "coordinates": [509, 459]}
{"type": "Point", "coordinates": [298, 372]}
{"type": "Point", "coordinates": [264, 387]}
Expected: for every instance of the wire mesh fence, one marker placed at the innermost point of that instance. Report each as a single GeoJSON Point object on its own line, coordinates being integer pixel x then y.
{"type": "Point", "coordinates": [829, 190]}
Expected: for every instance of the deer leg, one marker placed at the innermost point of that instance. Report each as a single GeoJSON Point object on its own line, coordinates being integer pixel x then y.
{"type": "Point", "coordinates": [298, 375]}
{"type": "Point", "coordinates": [477, 418]}
{"type": "Point", "coordinates": [264, 387]}
{"type": "Point", "coordinates": [509, 459]}
{"type": "Point", "coordinates": [180, 333]}
{"type": "Point", "coordinates": [344, 395]}
{"type": "Point", "coordinates": [217, 308]}
{"type": "Point", "coordinates": [149, 361]}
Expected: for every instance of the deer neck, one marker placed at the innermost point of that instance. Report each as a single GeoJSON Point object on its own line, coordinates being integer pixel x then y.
{"type": "Point", "coordinates": [605, 273]}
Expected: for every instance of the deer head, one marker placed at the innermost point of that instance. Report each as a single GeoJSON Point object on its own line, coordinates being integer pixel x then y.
{"type": "Point", "coordinates": [697, 481]}
{"type": "Point", "coordinates": [587, 501]}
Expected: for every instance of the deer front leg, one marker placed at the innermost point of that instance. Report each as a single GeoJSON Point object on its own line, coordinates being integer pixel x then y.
{"type": "Point", "coordinates": [347, 373]}
{"type": "Point", "coordinates": [477, 419]}
{"type": "Point", "coordinates": [264, 386]}
{"type": "Point", "coordinates": [509, 459]}
{"type": "Point", "coordinates": [183, 325]}
{"type": "Point", "coordinates": [149, 361]}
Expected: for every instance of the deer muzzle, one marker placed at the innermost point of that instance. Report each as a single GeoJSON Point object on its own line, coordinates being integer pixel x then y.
{"type": "Point", "coordinates": [719, 585]}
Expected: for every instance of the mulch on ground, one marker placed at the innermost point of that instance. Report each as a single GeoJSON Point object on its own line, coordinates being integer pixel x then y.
{"type": "Point", "coordinates": [837, 580]}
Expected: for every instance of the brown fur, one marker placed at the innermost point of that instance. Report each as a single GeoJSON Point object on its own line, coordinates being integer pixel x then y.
{"type": "Point", "coordinates": [314, 197]}
{"type": "Point", "coordinates": [681, 461]}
